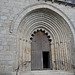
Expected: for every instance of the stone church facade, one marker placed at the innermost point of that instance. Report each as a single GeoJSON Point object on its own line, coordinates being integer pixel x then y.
{"type": "Point", "coordinates": [36, 38]}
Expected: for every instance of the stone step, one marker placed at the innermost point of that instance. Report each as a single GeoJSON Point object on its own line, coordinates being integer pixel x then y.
{"type": "Point", "coordinates": [48, 72]}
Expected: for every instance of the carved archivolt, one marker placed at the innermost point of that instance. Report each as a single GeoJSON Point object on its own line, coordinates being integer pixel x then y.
{"type": "Point", "coordinates": [45, 19]}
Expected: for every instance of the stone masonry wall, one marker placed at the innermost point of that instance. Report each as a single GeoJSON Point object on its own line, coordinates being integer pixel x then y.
{"type": "Point", "coordinates": [8, 42]}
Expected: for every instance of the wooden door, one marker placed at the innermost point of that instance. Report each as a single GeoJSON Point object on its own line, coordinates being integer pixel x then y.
{"type": "Point", "coordinates": [40, 44]}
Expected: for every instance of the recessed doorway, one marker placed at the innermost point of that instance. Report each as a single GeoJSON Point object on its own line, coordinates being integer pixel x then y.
{"type": "Point", "coordinates": [40, 51]}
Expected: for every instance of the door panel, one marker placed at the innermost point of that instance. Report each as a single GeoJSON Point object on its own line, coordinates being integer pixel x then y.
{"type": "Point", "coordinates": [36, 57]}
{"type": "Point", "coordinates": [39, 44]}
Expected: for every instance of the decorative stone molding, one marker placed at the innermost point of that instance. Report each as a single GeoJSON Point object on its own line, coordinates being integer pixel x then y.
{"type": "Point", "coordinates": [16, 21]}
{"type": "Point", "coordinates": [53, 22]}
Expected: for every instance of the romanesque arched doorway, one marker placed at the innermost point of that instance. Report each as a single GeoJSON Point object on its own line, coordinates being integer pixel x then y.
{"type": "Point", "coordinates": [41, 51]}
{"type": "Point", "coordinates": [58, 29]}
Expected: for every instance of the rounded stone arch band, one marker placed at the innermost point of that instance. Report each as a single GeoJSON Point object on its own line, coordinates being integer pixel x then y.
{"type": "Point", "coordinates": [17, 20]}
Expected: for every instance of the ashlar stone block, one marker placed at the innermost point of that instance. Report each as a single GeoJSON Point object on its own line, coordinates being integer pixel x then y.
{"type": "Point", "coordinates": [3, 17]}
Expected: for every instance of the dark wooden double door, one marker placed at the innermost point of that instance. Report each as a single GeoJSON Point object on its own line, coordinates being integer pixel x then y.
{"type": "Point", "coordinates": [40, 52]}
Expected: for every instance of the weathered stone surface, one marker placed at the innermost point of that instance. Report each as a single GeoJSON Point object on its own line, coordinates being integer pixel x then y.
{"type": "Point", "coordinates": [14, 52]}
{"type": "Point", "coordinates": [45, 73]}
{"type": "Point", "coordinates": [3, 17]}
